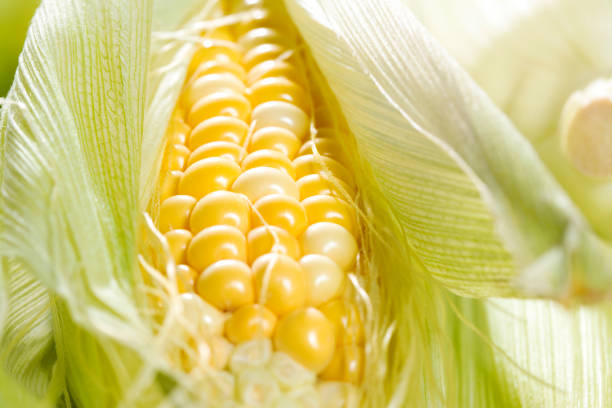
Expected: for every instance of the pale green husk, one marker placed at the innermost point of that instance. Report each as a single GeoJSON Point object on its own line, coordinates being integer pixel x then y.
{"type": "Point", "coordinates": [456, 196]}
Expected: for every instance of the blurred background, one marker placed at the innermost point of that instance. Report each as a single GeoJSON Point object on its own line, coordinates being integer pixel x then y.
{"type": "Point", "coordinates": [15, 16]}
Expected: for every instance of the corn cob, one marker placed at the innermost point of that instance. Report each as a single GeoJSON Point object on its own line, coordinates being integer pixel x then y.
{"type": "Point", "coordinates": [256, 207]}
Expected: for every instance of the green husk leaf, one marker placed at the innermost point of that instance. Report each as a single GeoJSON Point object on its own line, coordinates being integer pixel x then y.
{"type": "Point", "coordinates": [13, 394]}
{"type": "Point", "coordinates": [480, 209]}
{"type": "Point", "coordinates": [28, 349]}
{"type": "Point", "coordinates": [566, 352]}
{"type": "Point", "coordinates": [71, 139]}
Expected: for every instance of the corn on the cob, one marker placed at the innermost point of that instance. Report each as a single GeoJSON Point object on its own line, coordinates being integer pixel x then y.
{"type": "Point", "coordinates": [255, 214]}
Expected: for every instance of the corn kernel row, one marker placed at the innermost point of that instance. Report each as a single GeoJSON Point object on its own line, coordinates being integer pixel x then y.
{"type": "Point", "coordinates": [251, 207]}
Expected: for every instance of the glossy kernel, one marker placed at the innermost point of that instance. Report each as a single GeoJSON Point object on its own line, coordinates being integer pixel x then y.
{"type": "Point", "coordinates": [169, 184]}
{"type": "Point", "coordinates": [315, 184]}
{"type": "Point", "coordinates": [221, 208]}
{"type": "Point", "coordinates": [274, 68]}
{"type": "Point", "coordinates": [216, 243]}
{"type": "Point", "coordinates": [218, 129]}
{"type": "Point", "coordinates": [215, 50]}
{"type": "Point", "coordinates": [282, 114]}
{"type": "Point", "coordinates": [323, 146]}
{"type": "Point", "coordinates": [261, 181]}
{"type": "Point", "coordinates": [224, 150]}
{"type": "Point", "coordinates": [185, 278]}
{"type": "Point", "coordinates": [345, 317]}
{"type": "Point", "coordinates": [324, 279]}
{"type": "Point", "coordinates": [262, 53]}
{"type": "Point", "coordinates": [275, 138]}
{"type": "Point", "coordinates": [280, 283]}
{"type": "Point", "coordinates": [212, 83]}
{"type": "Point", "coordinates": [278, 89]}
{"type": "Point", "coordinates": [250, 322]}
{"type": "Point", "coordinates": [178, 240]}
{"type": "Point", "coordinates": [266, 239]}
{"type": "Point", "coordinates": [219, 67]}
{"type": "Point", "coordinates": [177, 157]}
{"type": "Point", "coordinates": [331, 240]}
{"type": "Point", "coordinates": [262, 35]}
{"type": "Point", "coordinates": [269, 158]}
{"type": "Point", "coordinates": [330, 209]}
{"type": "Point", "coordinates": [208, 175]}
{"type": "Point", "coordinates": [281, 211]}
{"type": "Point", "coordinates": [308, 337]}
{"type": "Point", "coordinates": [346, 365]}
{"type": "Point", "coordinates": [227, 284]}
{"type": "Point", "coordinates": [311, 164]}
{"type": "Point", "coordinates": [174, 212]}
{"type": "Point", "coordinates": [220, 103]}
{"type": "Point", "coordinates": [265, 19]}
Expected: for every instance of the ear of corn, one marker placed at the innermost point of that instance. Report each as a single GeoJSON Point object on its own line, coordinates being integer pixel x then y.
{"type": "Point", "coordinates": [79, 164]}
{"type": "Point", "coordinates": [265, 246]}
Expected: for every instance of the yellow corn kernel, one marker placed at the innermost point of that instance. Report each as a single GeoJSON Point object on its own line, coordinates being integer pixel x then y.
{"type": "Point", "coordinates": [221, 208]}
{"type": "Point", "coordinates": [214, 244]}
{"type": "Point", "coordinates": [224, 66]}
{"type": "Point", "coordinates": [274, 68]}
{"type": "Point", "coordinates": [220, 103]}
{"type": "Point", "coordinates": [250, 322]}
{"type": "Point", "coordinates": [266, 239]}
{"type": "Point", "coordinates": [275, 138]}
{"type": "Point", "coordinates": [262, 181]}
{"type": "Point", "coordinates": [324, 279]}
{"type": "Point", "coordinates": [260, 53]}
{"type": "Point", "coordinates": [178, 157]}
{"type": "Point", "coordinates": [174, 212]}
{"type": "Point", "coordinates": [311, 164]}
{"type": "Point", "coordinates": [215, 50]}
{"type": "Point", "coordinates": [265, 19]}
{"type": "Point", "coordinates": [281, 114]}
{"type": "Point", "coordinates": [330, 209]}
{"type": "Point", "coordinates": [346, 365]}
{"type": "Point", "coordinates": [331, 240]}
{"type": "Point", "coordinates": [315, 184]}
{"type": "Point", "coordinates": [224, 150]}
{"type": "Point", "coordinates": [208, 175]}
{"type": "Point", "coordinates": [180, 133]}
{"type": "Point", "coordinates": [324, 146]}
{"type": "Point", "coordinates": [308, 337]}
{"type": "Point", "coordinates": [269, 158]}
{"type": "Point", "coordinates": [345, 317]}
{"type": "Point", "coordinates": [280, 283]}
{"type": "Point", "coordinates": [185, 278]}
{"type": "Point", "coordinates": [218, 129]}
{"type": "Point", "coordinates": [278, 89]}
{"type": "Point", "coordinates": [178, 240]}
{"type": "Point", "coordinates": [169, 185]}
{"type": "Point", "coordinates": [262, 35]}
{"type": "Point", "coordinates": [209, 84]}
{"type": "Point", "coordinates": [281, 211]}
{"type": "Point", "coordinates": [227, 284]}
